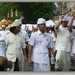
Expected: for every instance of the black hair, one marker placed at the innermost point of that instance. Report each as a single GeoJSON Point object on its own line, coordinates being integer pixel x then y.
{"type": "Point", "coordinates": [52, 28]}
{"type": "Point", "coordinates": [12, 29]}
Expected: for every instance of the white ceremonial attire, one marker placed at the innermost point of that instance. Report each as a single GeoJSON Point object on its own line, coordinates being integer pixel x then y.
{"type": "Point", "coordinates": [63, 39]}
{"type": "Point", "coordinates": [2, 51]}
{"type": "Point", "coordinates": [23, 26]}
{"type": "Point", "coordinates": [24, 34]}
{"type": "Point", "coordinates": [14, 45]}
{"type": "Point", "coordinates": [53, 39]}
{"type": "Point", "coordinates": [40, 54]}
{"type": "Point", "coordinates": [3, 33]}
{"type": "Point", "coordinates": [22, 64]}
{"type": "Point", "coordinates": [2, 47]}
{"type": "Point", "coordinates": [63, 47]}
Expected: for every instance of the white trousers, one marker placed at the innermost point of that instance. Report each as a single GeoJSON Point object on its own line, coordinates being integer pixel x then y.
{"type": "Point", "coordinates": [22, 63]}
{"type": "Point", "coordinates": [41, 67]}
{"type": "Point", "coordinates": [62, 60]}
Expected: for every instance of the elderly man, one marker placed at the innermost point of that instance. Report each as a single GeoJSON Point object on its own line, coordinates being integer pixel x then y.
{"type": "Point", "coordinates": [64, 43]}
{"type": "Point", "coordinates": [15, 42]}
{"type": "Point", "coordinates": [24, 34]}
{"type": "Point", "coordinates": [40, 48]}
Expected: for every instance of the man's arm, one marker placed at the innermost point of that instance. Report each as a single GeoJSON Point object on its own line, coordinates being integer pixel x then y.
{"type": "Point", "coordinates": [29, 55]}
{"type": "Point", "coordinates": [24, 52]}
{"type": "Point", "coordinates": [59, 22]}
{"type": "Point", "coordinates": [49, 49]}
{"type": "Point", "coordinates": [72, 41]}
{"type": "Point", "coordinates": [70, 24]}
{"type": "Point", "coordinates": [55, 34]}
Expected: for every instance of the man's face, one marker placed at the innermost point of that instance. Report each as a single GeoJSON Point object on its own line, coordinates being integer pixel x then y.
{"type": "Point", "coordinates": [18, 28]}
{"type": "Point", "coordinates": [65, 23]}
{"type": "Point", "coordinates": [42, 27]}
{"type": "Point", "coordinates": [3, 28]}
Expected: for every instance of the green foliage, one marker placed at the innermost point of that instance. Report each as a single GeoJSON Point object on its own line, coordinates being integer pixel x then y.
{"type": "Point", "coordinates": [30, 10]}
{"type": "Point", "coordinates": [5, 8]}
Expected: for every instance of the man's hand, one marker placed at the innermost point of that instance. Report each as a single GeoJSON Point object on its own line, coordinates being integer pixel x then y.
{"type": "Point", "coordinates": [52, 51]}
{"type": "Point", "coordinates": [9, 64]}
{"type": "Point", "coordinates": [26, 59]}
{"type": "Point", "coordinates": [30, 62]}
{"type": "Point", "coordinates": [73, 18]}
{"type": "Point", "coordinates": [61, 17]}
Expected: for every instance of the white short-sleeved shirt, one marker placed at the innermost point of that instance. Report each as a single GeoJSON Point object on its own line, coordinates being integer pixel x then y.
{"type": "Point", "coordinates": [3, 33]}
{"type": "Point", "coordinates": [7, 31]}
{"type": "Point", "coordinates": [2, 47]}
{"type": "Point", "coordinates": [40, 44]}
{"type": "Point", "coordinates": [14, 45]}
{"type": "Point", "coordinates": [63, 39]}
{"type": "Point", "coordinates": [53, 39]}
{"type": "Point", "coordinates": [24, 34]}
{"type": "Point", "coordinates": [23, 26]}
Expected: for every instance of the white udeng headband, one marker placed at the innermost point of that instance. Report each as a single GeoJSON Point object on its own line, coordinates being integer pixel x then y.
{"type": "Point", "coordinates": [41, 21]}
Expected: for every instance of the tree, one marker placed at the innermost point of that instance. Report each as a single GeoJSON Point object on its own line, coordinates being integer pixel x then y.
{"type": "Point", "coordinates": [31, 11]}
{"type": "Point", "coordinates": [5, 7]}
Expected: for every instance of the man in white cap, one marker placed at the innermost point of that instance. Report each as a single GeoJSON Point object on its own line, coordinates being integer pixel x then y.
{"type": "Point", "coordinates": [8, 29]}
{"type": "Point", "coordinates": [64, 43]}
{"type": "Point", "coordinates": [50, 30]}
{"type": "Point", "coordinates": [40, 48]}
{"type": "Point", "coordinates": [3, 31]}
{"type": "Point", "coordinates": [15, 42]}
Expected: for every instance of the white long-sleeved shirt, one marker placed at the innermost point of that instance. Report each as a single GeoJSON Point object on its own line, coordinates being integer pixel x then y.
{"type": "Point", "coordinates": [14, 44]}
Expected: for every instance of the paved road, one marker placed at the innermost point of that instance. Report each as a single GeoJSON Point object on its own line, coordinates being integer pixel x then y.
{"type": "Point", "coordinates": [27, 67]}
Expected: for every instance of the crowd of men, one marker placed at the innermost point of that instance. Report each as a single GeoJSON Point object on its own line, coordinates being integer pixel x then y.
{"type": "Point", "coordinates": [45, 48]}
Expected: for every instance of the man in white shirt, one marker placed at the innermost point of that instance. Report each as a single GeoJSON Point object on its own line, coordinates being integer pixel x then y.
{"type": "Point", "coordinates": [24, 34]}
{"type": "Point", "coordinates": [40, 48]}
{"type": "Point", "coordinates": [4, 63]}
{"type": "Point", "coordinates": [4, 31]}
{"type": "Point", "coordinates": [64, 43]}
{"type": "Point", "coordinates": [15, 42]}
{"type": "Point", "coordinates": [22, 64]}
